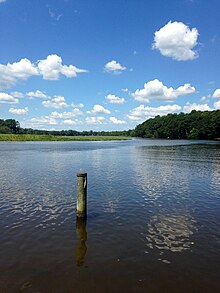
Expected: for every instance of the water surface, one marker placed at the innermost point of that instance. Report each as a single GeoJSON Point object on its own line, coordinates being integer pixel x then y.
{"type": "Point", "coordinates": [153, 217]}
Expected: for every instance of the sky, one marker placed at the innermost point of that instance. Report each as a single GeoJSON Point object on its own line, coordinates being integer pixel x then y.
{"type": "Point", "coordinates": [107, 65]}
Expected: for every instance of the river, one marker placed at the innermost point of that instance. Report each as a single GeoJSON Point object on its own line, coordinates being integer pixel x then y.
{"type": "Point", "coordinates": [153, 220]}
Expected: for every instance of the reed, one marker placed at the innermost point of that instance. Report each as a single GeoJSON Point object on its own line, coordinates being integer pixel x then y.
{"type": "Point", "coordinates": [32, 137]}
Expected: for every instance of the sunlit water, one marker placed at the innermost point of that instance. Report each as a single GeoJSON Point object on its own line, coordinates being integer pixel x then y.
{"type": "Point", "coordinates": [153, 217]}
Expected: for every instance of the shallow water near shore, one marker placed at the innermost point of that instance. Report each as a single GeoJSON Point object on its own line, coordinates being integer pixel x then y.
{"type": "Point", "coordinates": [153, 220]}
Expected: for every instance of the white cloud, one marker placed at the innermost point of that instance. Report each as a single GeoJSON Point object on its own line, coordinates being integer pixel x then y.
{"type": "Point", "coordinates": [43, 120]}
{"type": "Point", "coordinates": [66, 115]}
{"type": "Point", "coordinates": [203, 98]}
{"type": "Point", "coordinates": [99, 109]}
{"type": "Point", "coordinates": [57, 102]}
{"type": "Point", "coordinates": [155, 90]}
{"type": "Point", "coordinates": [18, 111]}
{"type": "Point", "coordinates": [70, 122]}
{"type": "Point", "coordinates": [2, 1]}
{"type": "Point", "coordinates": [11, 73]}
{"type": "Point", "coordinates": [185, 89]}
{"type": "Point", "coordinates": [177, 41]}
{"type": "Point", "coordinates": [52, 67]}
{"type": "Point", "coordinates": [6, 98]}
{"type": "Point", "coordinates": [114, 67]}
{"type": "Point", "coordinates": [217, 105]}
{"type": "Point", "coordinates": [80, 106]}
{"type": "Point", "coordinates": [17, 95]}
{"type": "Point", "coordinates": [37, 94]}
{"type": "Point", "coordinates": [216, 94]}
{"type": "Point", "coordinates": [125, 90]}
{"type": "Point", "coordinates": [133, 117]}
{"type": "Point", "coordinates": [114, 99]}
{"type": "Point", "coordinates": [95, 120]}
{"type": "Point", "coordinates": [198, 107]}
{"type": "Point", "coordinates": [142, 113]}
{"type": "Point", "coordinates": [116, 121]}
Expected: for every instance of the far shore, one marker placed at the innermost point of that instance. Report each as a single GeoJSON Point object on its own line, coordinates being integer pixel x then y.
{"type": "Point", "coordinates": [32, 137]}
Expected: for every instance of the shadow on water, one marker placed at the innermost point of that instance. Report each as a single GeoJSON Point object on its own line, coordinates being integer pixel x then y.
{"type": "Point", "coordinates": [81, 235]}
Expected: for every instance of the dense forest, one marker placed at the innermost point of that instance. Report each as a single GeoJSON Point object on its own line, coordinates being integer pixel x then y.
{"type": "Point", "coordinates": [11, 126]}
{"type": "Point", "coordinates": [195, 125]}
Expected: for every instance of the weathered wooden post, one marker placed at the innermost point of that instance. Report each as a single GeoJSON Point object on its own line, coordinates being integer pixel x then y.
{"type": "Point", "coordinates": [81, 202]}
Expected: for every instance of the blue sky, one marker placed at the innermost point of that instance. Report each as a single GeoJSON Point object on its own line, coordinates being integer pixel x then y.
{"type": "Point", "coordinates": [107, 65]}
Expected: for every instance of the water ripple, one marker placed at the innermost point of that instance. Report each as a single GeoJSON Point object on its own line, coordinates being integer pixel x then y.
{"type": "Point", "coordinates": [152, 210]}
{"type": "Point", "coordinates": [171, 232]}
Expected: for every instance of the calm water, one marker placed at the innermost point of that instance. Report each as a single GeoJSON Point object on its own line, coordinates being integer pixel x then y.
{"type": "Point", "coordinates": [153, 217]}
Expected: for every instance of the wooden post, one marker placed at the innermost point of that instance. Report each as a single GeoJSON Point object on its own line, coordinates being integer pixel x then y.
{"type": "Point", "coordinates": [81, 203]}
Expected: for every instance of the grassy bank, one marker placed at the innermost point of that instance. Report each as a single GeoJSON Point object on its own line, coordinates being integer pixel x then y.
{"type": "Point", "coordinates": [32, 137]}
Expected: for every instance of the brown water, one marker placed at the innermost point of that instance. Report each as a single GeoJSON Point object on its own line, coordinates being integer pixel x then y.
{"type": "Point", "coordinates": [153, 217]}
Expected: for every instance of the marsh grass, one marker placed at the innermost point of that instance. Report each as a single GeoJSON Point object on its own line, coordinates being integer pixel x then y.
{"type": "Point", "coordinates": [32, 137]}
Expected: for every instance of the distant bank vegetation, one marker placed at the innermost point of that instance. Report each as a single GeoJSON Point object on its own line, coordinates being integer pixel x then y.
{"type": "Point", "coordinates": [195, 125]}
{"type": "Point", "coordinates": [10, 130]}
{"type": "Point", "coordinates": [11, 126]}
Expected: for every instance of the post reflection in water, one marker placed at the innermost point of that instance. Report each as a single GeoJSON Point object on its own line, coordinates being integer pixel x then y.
{"type": "Point", "coordinates": [81, 248]}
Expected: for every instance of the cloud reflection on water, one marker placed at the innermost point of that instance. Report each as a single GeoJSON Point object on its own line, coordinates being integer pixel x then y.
{"type": "Point", "coordinates": [170, 232]}
{"type": "Point", "coordinates": [164, 183]}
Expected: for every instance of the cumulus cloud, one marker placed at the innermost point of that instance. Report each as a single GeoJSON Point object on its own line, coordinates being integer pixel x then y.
{"type": "Point", "coordinates": [112, 99]}
{"type": "Point", "coordinates": [70, 122]}
{"type": "Point", "coordinates": [80, 106]}
{"type": "Point", "coordinates": [114, 67]}
{"type": "Point", "coordinates": [41, 121]}
{"type": "Point", "coordinates": [203, 98]}
{"type": "Point", "coordinates": [67, 115]}
{"type": "Point", "coordinates": [155, 90]}
{"type": "Point", "coordinates": [57, 102]}
{"type": "Point", "coordinates": [18, 111]}
{"type": "Point", "coordinates": [185, 89]}
{"type": "Point", "coordinates": [114, 120]}
{"type": "Point", "coordinates": [217, 105]}
{"type": "Point", "coordinates": [17, 95]}
{"type": "Point", "coordinates": [198, 107]}
{"type": "Point", "coordinates": [95, 120]}
{"type": "Point", "coordinates": [6, 98]}
{"type": "Point", "coordinates": [37, 94]}
{"type": "Point", "coordinates": [50, 68]}
{"type": "Point", "coordinates": [142, 113]}
{"type": "Point", "coordinates": [97, 109]}
{"type": "Point", "coordinates": [176, 40]}
{"type": "Point", "coordinates": [216, 94]}
{"type": "Point", "coordinates": [11, 73]}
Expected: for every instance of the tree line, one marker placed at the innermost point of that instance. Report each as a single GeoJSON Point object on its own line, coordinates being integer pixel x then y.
{"type": "Point", "coordinates": [11, 126]}
{"type": "Point", "coordinates": [195, 125]}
